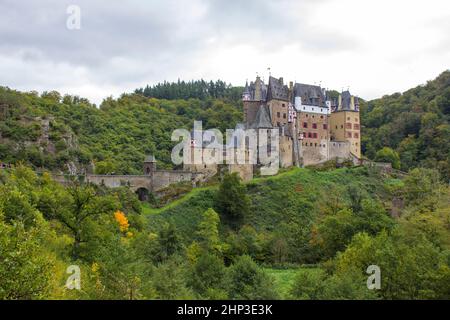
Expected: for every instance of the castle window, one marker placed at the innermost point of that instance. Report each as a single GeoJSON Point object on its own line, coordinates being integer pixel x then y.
{"type": "Point", "coordinates": [349, 134]}
{"type": "Point", "coordinates": [348, 126]}
{"type": "Point", "coordinates": [356, 119]}
{"type": "Point", "coordinates": [284, 115]}
{"type": "Point", "coordinates": [315, 144]}
{"type": "Point", "coordinates": [314, 125]}
{"type": "Point", "coordinates": [315, 135]}
{"type": "Point", "coordinates": [305, 124]}
{"type": "Point", "coordinates": [325, 127]}
{"type": "Point", "coordinates": [356, 135]}
{"type": "Point", "coordinates": [283, 105]}
{"type": "Point", "coordinates": [356, 126]}
{"type": "Point", "coordinates": [307, 115]}
{"type": "Point", "coordinates": [304, 108]}
{"type": "Point", "coordinates": [309, 135]}
{"type": "Point", "coordinates": [342, 127]}
{"type": "Point", "coordinates": [321, 117]}
{"type": "Point", "coordinates": [310, 144]}
{"type": "Point", "coordinates": [348, 118]}
{"type": "Point", "coordinates": [278, 114]}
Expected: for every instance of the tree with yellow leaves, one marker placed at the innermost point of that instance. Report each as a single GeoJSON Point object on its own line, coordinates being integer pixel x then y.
{"type": "Point", "coordinates": [122, 220]}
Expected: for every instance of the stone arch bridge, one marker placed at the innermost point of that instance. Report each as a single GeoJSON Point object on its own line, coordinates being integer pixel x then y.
{"type": "Point", "coordinates": [140, 184]}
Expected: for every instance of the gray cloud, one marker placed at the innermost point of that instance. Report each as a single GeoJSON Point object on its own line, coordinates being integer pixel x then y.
{"type": "Point", "coordinates": [126, 44]}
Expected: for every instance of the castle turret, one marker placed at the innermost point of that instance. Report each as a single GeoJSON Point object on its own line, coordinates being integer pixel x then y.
{"type": "Point", "coordinates": [345, 123]}
{"type": "Point", "coordinates": [246, 94]}
{"type": "Point", "coordinates": [149, 165]}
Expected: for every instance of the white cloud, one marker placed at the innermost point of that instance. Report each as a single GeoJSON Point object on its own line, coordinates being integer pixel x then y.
{"type": "Point", "coordinates": [375, 47]}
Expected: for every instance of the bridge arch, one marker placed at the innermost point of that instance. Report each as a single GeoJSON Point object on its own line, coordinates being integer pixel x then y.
{"type": "Point", "coordinates": [143, 194]}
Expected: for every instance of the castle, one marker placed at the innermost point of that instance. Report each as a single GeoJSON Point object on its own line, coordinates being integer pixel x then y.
{"type": "Point", "coordinates": [313, 127]}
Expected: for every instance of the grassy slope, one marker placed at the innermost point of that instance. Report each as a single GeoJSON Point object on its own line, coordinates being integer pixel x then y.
{"type": "Point", "coordinates": [292, 196]}
{"type": "Point", "coordinates": [284, 278]}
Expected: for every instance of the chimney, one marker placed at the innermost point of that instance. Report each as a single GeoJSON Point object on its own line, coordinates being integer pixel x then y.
{"type": "Point", "coordinates": [281, 80]}
{"type": "Point", "coordinates": [291, 90]}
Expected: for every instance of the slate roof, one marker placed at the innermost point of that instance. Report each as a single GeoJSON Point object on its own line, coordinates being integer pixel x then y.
{"type": "Point", "coordinates": [251, 90]}
{"type": "Point", "coordinates": [310, 94]}
{"type": "Point", "coordinates": [346, 100]}
{"type": "Point", "coordinates": [276, 90]}
{"type": "Point", "coordinates": [262, 119]}
{"type": "Point", "coordinates": [150, 158]}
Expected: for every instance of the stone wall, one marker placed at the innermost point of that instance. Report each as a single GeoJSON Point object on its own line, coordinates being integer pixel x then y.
{"type": "Point", "coordinates": [314, 152]}
{"type": "Point", "coordinates": [164, 178]}
{"type": "Point", "coordinates": [115, 181]}
{"type": "Point", "coordinates": [286, 152]}
{"type": "Point", "coordinates": [245, 171]}
{"type": "Point", "coordinates": [339, 150]}
{"type": "Point", "coordinates": [279, 112]}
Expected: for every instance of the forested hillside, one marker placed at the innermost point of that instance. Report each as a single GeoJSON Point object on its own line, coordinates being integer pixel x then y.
{"type": "Point", "coordinates": [61, 133]}
{"type": "Point", "coordinates": [227, 242]}
{"type": "Point", "coordinates": [57, 132]}
{"type": "Point", "coordinates": [414, 124]}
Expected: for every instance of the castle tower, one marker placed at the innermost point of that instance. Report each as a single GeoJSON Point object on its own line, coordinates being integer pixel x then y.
{"type": "Point", "coordinates": [253, 96]}
{"type": "Point", "coordinates": [278, 101]}
{"type": "Point", "coordinates": [312, 124]}
{"type": "Point", "coordinates": [149, 165]}
{"type": "Point", "coordinates": [345, 122]}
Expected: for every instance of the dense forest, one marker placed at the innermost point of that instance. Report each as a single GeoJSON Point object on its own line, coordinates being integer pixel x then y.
{"type": "Point", "coordinates": [113, 138]}
{"type": "Point", "coordinates": [414, 124]}
{"type": "Point", "coordinates": [199, 89]}
{"type": "Point", "coordinates": [319, 230]}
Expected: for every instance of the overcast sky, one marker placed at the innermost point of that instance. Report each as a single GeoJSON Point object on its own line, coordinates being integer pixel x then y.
{"type": "Point", "coordinates": [373, 47]}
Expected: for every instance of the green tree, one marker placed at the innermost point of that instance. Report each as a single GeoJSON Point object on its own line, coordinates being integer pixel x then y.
{"type": "Point", "coordinates": [336, 231]}
{"type": "Point", "coordinates": [208, 232]}
{"type": "Point", "coordinates": [169, 280]}
{"type": "Point", "coordinates": [84, 206]}
{"type": "Point", "coordinates": [232, 200]}
{"type": "Point", "coordinates": [169, 240]}
{"type": "Point", "coordinates": [208, 276]}
{"type": "Point", "coordinates": [388, 155]}
{"type": "Point", "coordinates": [26, 268]}
{"type": "Point", "coordinates": [105, 167]}
{"type": "Point", "coordinates": [248, 281]}
{"type": "Point", "coordinates": [308, 285]}
{"type": "Point", "coordinates": [410, 268]}
{"type": "Point", "coordinates": [421, 186]}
